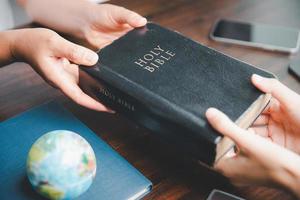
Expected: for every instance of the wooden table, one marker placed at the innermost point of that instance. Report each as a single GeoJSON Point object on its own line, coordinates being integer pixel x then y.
{"type": "Point", "coordinates": [21, 88]}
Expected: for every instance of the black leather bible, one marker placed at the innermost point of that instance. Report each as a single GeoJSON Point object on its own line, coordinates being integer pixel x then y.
{"type": "Point", "coordinates": [165, 81]}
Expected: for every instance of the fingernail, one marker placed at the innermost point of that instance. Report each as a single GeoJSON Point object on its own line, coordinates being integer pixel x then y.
{"type": "Point", "coordinates": [257, 78]}
{"type": "Point", "coordinates": [211, 112]}
{"type": "Point", "coordinates": [92, 58]}
{"type": "Point", "coordinates": [110, 111]}
{"type": "Point", "coordinates": [140, 20]}
{"type": "Point", "coordinates": [143, 20]}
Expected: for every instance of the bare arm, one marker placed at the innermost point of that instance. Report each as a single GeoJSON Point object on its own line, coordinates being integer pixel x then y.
{"type": "Point", "coordinates": [97, 24]}
{"type": "Point", "coordinates": [53, 57]}
{"type": "Point", "coordinates": [6, 43]}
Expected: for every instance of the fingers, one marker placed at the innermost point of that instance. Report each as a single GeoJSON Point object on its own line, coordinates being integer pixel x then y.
{"type": "Point", "coordinates": [262, 120]}
{"type": "Point", "coordinates": [260, 130]}
{"type": "Point", "coordinates": [230, 166]}
{"type": "Point", "coordinates": [242, 138]}
{"type": "Point", "coordinates": [75, 53]}
{"type": "Point", "coordinates": [260, 158]}
{"type": "Point", "coordinates": [220, 122]}
{"type": "Point", "coordinates": [74, 92]}
{"type": "Point", "coordinates": [83, 99]}
{"type": "Point", "coordinates": [124, 16]}
{"type": "Point", "coordinates": [270, 85]}
{"type": "Point", "coordinates": [249, 143]}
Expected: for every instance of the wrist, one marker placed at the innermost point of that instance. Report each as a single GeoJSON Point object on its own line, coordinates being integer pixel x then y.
{"type": "Point", "coordinates": [7, 46]}
{"type": "Point", "coordinates": [22, 3]}
{"type": "Point", "coordinates": [17, 44]}
{"type": "Point", "coordinates": [14, 44]}
{"type": "Point", "coordinates": [50, 14]}
{"type": "Point", "coordinates": [288, 175]}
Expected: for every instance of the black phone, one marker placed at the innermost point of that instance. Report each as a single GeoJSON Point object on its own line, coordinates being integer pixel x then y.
{"type": "Point", "coordinates": [264, 36]}
{"type": "Point", "coordinates": [294, 68]}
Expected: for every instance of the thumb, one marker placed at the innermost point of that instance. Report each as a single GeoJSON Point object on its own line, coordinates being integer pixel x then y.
{"type": "Point", "coordinates": [221, 123]}
{"type": "Point", "coordinates": [231, 165]}
{"type": "Point", "coordinates": [249, 143]}
{"type": "Point", "coordinates": [124, 16]}
{"type": "Point", "coordinates": [75, 53]}
{"type": "Point", "coordinates": [278, 90]}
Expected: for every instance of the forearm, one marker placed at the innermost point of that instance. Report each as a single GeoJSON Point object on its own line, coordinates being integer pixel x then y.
{"type": "Point", "coordinates": [292, 182]}
{"type": "Point", "coordinates": [288, 176]}
{"type": "Point", "coordinates": [17, 45]}
{"type": "Point", "coordinates": [6, 42]}
{"type": "Point", "coordinates": [63, 16]}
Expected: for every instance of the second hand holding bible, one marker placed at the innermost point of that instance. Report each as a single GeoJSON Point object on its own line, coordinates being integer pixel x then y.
{"type": "Point", "coordinates": [166, 82]}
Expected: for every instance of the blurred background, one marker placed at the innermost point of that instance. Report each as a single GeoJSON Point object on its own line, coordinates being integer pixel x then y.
{"type": "Point", "coordinates": [12, 15]}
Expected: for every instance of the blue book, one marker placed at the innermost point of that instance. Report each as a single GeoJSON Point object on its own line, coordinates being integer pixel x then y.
{"type": "Point", "coordinates": [115, 178]}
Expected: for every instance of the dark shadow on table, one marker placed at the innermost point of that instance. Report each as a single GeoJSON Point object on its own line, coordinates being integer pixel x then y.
{"type": "Point", "coordinates": [27, 190]}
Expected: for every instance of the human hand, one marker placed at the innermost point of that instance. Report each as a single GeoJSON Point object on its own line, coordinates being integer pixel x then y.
{"type": "Point", "coordinates": [98, 24]}
{"type": "Point", "coordinates": [55, 59]}
{"type": "Point", "coordinates": [273, 158]}
{"type": "Point", "coordinates": [280, 121]}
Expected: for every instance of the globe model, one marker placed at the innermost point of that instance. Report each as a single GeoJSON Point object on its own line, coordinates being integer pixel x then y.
{"type": "Point", "coordinates": [61, 165]}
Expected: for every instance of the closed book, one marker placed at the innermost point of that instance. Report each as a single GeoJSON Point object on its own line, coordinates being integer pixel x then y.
{"type": "Point", "coordinates": [166, 82]}
{"type": "Point", "coordinates": [115, 179]}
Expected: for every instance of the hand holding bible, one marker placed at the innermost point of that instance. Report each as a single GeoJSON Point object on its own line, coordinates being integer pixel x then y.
{"type": "Point", "coordinates": [280, 121]}
{"type": "Point", "coordinates": [55, 59]}
{"type": "Point", "coordinates": [269, 150]}
{"type": "Point", "coordinates": [105, 23]}
{"type": "Point", "coordinates": [98, 24]}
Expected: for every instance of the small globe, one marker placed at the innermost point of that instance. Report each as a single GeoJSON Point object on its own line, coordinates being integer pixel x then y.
{"type": "Point", "coordinates": [61, 165]}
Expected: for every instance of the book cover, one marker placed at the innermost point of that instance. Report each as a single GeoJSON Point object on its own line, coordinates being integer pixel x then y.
{"type": "Point", "coordinates": [115, 179]}
{"type": "Point", "coordinates": [166, 81]}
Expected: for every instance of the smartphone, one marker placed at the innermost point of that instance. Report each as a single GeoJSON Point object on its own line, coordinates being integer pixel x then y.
{"type": "Point", "coordinates": [264, 36]}
{"type": "Point", "coordinates": [294, 68]}
{"type": "Point", "coordinates": [220, 195]}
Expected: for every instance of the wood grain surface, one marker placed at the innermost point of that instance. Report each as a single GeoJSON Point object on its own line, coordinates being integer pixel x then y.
{"type": "Point", "coordinates": [173, 176]}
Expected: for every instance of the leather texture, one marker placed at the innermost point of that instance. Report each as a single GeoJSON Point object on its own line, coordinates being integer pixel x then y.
{"type": "Point", "coordinates": [177, 93]}
{"type": "Point", "coordinates": [115, 178]}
